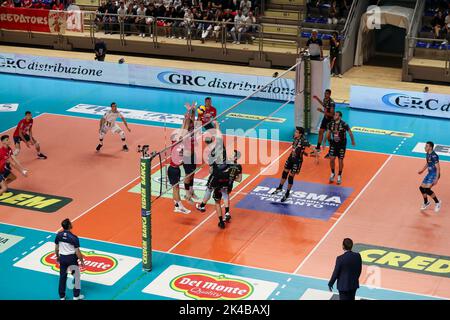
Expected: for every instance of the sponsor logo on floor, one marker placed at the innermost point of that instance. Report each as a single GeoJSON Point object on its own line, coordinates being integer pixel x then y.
{"type": "Point", "coordinates": [200, 181]}
{"type": "Point", "coordinates": [404, 260]}
{"type": "Point", "coordinates": [130, 113]}
{"type": "Point", "coordinates": [314, 294]}
{"type": "Point", "coordinates": [309, 200]}
{"type": "Point", "coordinates": [185, 283]}
{"type": "Point", "coordinates": [383, 132]}
{"type": "Point", "coordinates": [33, 201]}
{"type": "Point", "coordinates": [440, 149]}
{"type": "Point", "coordinates": [8, 107]}
{"type": "Point", "coordinates": [100, 267]}
{"type": "Point", "coordinates": [254, 117]}
{"type": "Point", "coordinates": [7, 241]}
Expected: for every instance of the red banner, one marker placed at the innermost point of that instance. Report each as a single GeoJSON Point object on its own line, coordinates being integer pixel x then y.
{"type": "Point", "coordinates": [40, 20]}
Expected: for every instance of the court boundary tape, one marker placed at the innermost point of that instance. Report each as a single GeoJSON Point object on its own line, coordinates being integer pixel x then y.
{"type": "Point", "coordinates": [233, 264]}
{"type": "Point", "coordinates": [344, 213]}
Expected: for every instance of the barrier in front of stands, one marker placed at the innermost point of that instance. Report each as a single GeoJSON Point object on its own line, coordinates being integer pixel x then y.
{"type": "Point", "coordinates": [399, 101]}
{"type": "Point", "coordinates": [147, 76]}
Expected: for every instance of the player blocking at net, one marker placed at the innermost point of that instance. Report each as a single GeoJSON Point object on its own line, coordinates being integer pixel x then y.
{"type": "Point", "coordinates": [108, 123]}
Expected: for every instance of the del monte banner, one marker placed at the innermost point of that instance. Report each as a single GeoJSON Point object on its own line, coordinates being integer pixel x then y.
{"type": "Point", "coordinates": [210, 82]}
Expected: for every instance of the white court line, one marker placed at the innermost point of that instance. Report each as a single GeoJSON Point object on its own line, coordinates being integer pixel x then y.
{"type": "Point", "coordinates": [231, 198]}
{"type": "Point", "coordinates": [343, 214]}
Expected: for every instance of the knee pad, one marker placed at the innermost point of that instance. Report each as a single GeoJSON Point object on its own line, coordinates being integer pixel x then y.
{"type": "Point", "coordinates": [422, 189]}
{"type": "Point", "coordinates": [284, 175]}
{"type": "Point", "coordinates": [186, 186]}
{"type": "Point", "coordinates": [428, 191]}
{"type": "Point", "coordinates": [122, 135]}
{"type": "Point", "coordinates": [291, 180]}
{"type": "Point", "coordinates": [191, 184]}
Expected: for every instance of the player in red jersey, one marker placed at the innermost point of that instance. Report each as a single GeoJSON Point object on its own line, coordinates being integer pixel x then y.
{"type": "Point", "coordinates": [207, 115]}
{"type": "Point", "coordinates": [24, 132]}
{"type": "Point", "coordinates": [7, 160]}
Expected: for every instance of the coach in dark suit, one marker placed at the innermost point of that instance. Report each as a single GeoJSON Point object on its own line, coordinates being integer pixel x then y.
{"type": "Point", "coordinates": [346, 272]}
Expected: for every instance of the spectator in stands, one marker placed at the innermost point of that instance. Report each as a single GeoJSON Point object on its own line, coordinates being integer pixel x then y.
{"type": "Point", "coordinates": [335, 45]}
{"type": "Point", "coordinates": [311, 4]}
{"type": "Point", "coordinates": [168, 23]}
{"type": "Point", "coordinates": [245, 7]}
{"type": "Point", "coordinates": [233, 5]}
{"type": "Point", "coordinates": [122, 12]}
{"type": "Point", "coordinates": [228, 22]}
{"type": "Point", "coordinates": [252, 27]}
{"type": "Point", "coordinates": [27, 3]}
{"type": "Point", "coordinates": [17, 3]}
{"type": "Point", "coordinates": [239, 27]}
{"type": "Point", "coordinates": [447, 24]}
{"type": "Point", "coordinates": [333, 14]}
{"type": "Point", "coordinates": [58, 6]}
{"type": "Point", "coordinates": [8, 4]}
{"type": "Point", "coordinates": [344, 8]}
{"type": "Point", "coordinates": [110, 19]}
{"type": "Point", "coordinates": [100, 49]}
{"type": "Point", "coordinates": [187, 24]}
{"type": "Point", "coordinates": [100, 15]}
{"type": "Point", "coordinates": [177, 24]}
{"type": "Point", "coordinates": [314, 45]}
{"type": "Point", "coordinates": [140, 19]}
{"type": "Point", "coordinates": [129, 19]}
{"type": "Point", "coordinates": [150, 17]}
{"type": "Point", "coordinates": [205, 27]}
{"type": "Point", "coordinates": [218, 20]}
{"type": "Point", "coordinates": [426, 90]}
{"type": "Point", "coordinates": [217, 5]}
{"type": "Point", "coordinates": [438, 23]}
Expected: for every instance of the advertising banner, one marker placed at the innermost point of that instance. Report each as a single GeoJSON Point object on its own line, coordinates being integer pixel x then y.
{"type": "Point", "coordinates": [399, 101]}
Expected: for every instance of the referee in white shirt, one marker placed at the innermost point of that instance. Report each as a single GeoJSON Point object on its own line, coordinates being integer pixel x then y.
{"type": "Point", "coordinates": [67, 250]}
{"type": "Point", "coordinates": [314, 45]}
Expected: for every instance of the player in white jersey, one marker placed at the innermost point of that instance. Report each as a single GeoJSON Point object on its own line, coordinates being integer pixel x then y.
{"type": "Point", "coordinates": [108, 122]}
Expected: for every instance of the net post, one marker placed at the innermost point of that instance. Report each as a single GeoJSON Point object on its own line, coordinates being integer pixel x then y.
{"type": "Point", "coordinates": [146, 209]}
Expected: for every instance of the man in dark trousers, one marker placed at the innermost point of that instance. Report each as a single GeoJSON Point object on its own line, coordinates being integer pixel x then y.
{"type": "Point", "coordinates": [346, 272]}
{"type": "Point", "coordinates": [67, 250]}
{"type": "Point", "coordinates": [100, 50]}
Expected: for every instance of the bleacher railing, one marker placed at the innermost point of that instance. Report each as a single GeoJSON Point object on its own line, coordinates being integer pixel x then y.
{"type": "Point", "coordinates": [410, 39]}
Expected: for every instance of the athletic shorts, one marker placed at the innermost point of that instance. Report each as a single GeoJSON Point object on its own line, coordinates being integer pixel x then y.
{"type": "Point", "coordinates": [3, 175]}
{"type": "Point", "coordinates": [18, 139]}
{"type": "Point", "coordinates": [174, 174]}
{"type": "Point", "coordinates": [218, 192]}
{"type": "Point", "coordinates": [293, 165]}
{"type": "Point", "coordinates": [324, 123]}
{"type": "Point", "coordinates": [337, 150]}
{"type": "Point", "coordinates": [189, 168]}
{"type": "Point", "coordinates": [430, 177]}
{"type": "Point", "coordinates": [114, 129]}
{"type": "Point", "coordinates": [209, 126]}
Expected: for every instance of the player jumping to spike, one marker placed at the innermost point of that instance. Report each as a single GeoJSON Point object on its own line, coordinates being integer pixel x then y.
{"type": "Point", "coordinates": [337, 136]}
{"type": "Point", "coordinates": [7, 159]}
{"type": "Point", "coordinates": [108, 122]}
{"type": "Point", "coordinates": [24, 132]}
{"type": "Point", "coordinates": [431, 179]}
{"type": "Point", "coordinates": [174, 172]}
{"type": "Point", "coordinates": [294, 162]}
{"type": "Point", "coordinates": [207, 114]}
{"type": "Point", "coordinates": [189, 161]}
{"type": "Point", "coordinates": [328, 106]}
